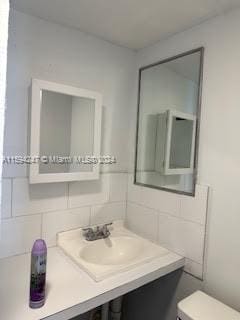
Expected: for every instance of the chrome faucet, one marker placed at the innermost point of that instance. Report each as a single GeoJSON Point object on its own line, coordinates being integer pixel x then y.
{"type": "Point", "coordinates": [96, 233]}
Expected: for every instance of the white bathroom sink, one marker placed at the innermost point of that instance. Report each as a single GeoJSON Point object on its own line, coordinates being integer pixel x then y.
{"type": "Point", "coordinates": [121, 251]}
{"type": "Point", "coordinates": [112, 251]}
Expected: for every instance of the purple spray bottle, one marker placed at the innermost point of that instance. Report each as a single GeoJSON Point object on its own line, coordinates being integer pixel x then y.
{"type": "Point", "coordinates": [38, 274]}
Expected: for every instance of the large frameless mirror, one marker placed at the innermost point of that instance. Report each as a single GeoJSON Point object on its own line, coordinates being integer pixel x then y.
{"type": "Point", "coordinates": [168, 123]}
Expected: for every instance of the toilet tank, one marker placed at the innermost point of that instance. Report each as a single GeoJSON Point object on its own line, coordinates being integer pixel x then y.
{"type": "Point", "coordinates": [200, 306]}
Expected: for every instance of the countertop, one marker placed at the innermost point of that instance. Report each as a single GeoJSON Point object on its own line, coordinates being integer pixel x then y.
{"type": "Point", "coordinates": [70, 291]}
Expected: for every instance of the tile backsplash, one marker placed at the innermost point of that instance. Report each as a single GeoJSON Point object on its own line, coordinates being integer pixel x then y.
{"type": "Point", "coordinates": [18, 234]}
{"type": "Point", "coordinates": [54, 222]}
{"type": "Point", "coordinates": [33, 199]}
{"type": "Point", "coordinates": [142, 220]}
{"type": "Point", "coordinates": [87, 193]}
{"type": "Point", "coordinates": [6, 206]}
{"type": "Point", "coordinates": [33, 211]}
{"type": "Point", "coordinates": [177, 222]}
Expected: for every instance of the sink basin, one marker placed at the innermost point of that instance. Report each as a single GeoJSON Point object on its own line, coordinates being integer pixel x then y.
{"type": "Point", "coordinates": [121, 251]}
{"type": "Point", "coordinates": [112, 251]}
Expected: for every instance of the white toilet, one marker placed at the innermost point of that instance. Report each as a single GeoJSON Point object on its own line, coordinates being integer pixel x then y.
{"type": "Point", "coordinates": [200, 306]}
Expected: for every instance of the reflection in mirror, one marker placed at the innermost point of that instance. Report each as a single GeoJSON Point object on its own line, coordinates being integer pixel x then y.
{"type": "Point", "coordinates": [168, 114]}
{"type": "Point", "coordinates": [66, 130]}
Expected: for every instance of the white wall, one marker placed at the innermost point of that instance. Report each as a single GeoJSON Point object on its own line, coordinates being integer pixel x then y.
{"type": "Point", "coordinates": [44, 50]}
{"type": "Point", "coordinates": [4, 15]}
{"type": "Point", "coordinates": [39, 49]}
{"type": "Point", "coordinates": [47, 51]}
{"type": "Point", "coordinates": [219, 156]}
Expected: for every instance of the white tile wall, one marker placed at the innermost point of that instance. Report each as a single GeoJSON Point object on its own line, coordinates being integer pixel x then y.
{"type": "Point", "coordinates": [33, 211]}
{"type": "Point", "coordinates": [33, 199]}
{"type": "Point", "coordinates": [108, 213]}
{"type": "Point", "coordinates": [195, 209]}
{"type": "Point", "coordinates": [154, 199]}
{"type": "Point", "coordinates": [143, 221]}
{"type": "Point", "coordinates": [54, 222]}
{"type": "Point", "coordinates": [18, 234]}
{"type": "Point", "coordinates": [6, 206]}
{"type": "Point", "coordinates": [118, 187]}
{"type": "Point", "coordinates": [177, 220]}
{"type": "Point", "coordinates": [183, 237]}
{"type": "Point", "coordinates": [87, 193]}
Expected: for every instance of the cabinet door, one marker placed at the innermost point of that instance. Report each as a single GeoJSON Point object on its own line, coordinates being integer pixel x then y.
{"type": "Point", "coordinates": [161, 136]}
{"type": "Point", "coordinates": [180, 142]}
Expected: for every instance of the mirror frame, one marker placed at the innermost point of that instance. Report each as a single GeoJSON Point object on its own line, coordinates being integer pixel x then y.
{"type": "Point", "coordinates": [34, 174]}
{"type": "Point", "coordinates": [198, 118]}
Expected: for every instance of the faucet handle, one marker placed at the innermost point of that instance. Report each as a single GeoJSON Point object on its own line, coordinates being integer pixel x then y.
{"type": "Point", "coordinates": [89, 229]}
{"type": "Point", "coordinates": [107, 224]}
{"type": "Point", "coordinates": [105, 231]}
{"type": "Point", "coordinates": [88, 233]}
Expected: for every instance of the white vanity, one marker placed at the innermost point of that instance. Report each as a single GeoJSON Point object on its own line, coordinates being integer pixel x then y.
{"type": "Point", "coordinates": [70, 289]}
{"type": "Point", "coordinates": [121, 251]}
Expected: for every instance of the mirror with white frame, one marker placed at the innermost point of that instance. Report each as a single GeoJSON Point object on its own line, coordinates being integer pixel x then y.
{"type": "Point", "coordinates": [65, 133]}
{"type": "Point", "coordinates": [168, 123]}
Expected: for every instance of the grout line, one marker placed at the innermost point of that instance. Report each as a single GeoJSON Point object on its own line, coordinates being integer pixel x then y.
{"type": "Point", "coordinates": [67, 209]}
{"type": "Point", "coordinates": [153, 209]}
{"type": "Point", "coordinates": [11, 197]}
{"type": "Point", "coordinates": [6, 218]}
{"type": "Point", "coordinates": [180, 207]}
{"type": "Point", "coordinates": [127, 183]}
{"type": "Point", "coordinates": [114, 172]}
{"type": "Point", "coordinates": [166, 213]}
{"type": "Point", "coordinates": [125, 216]}
{"type": "Point", "coordinates": [180, 219]}
{"type": "Point", "coordinates": [15, 255]}
{"type": "Point", "coordinates": [90, 216]}
{"type": "Point", "coordinates": [109, 182]}
{"type": "Point", "coordinates": [158, 231]}
{"type": "Point", "coordinates": [68, 187]}
{"type": "Point", "coordinates": [24, 216]}
{"type": "Point", "coordinates": [41, 227]}
{"type": "Point", "coordinates": [205, 248]}
{"type": "Point", "coordinates": [23, 253]}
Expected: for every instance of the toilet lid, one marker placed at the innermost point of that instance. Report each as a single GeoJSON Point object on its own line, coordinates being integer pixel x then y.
{"type": "Point", "coordinates": [200, 306]}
